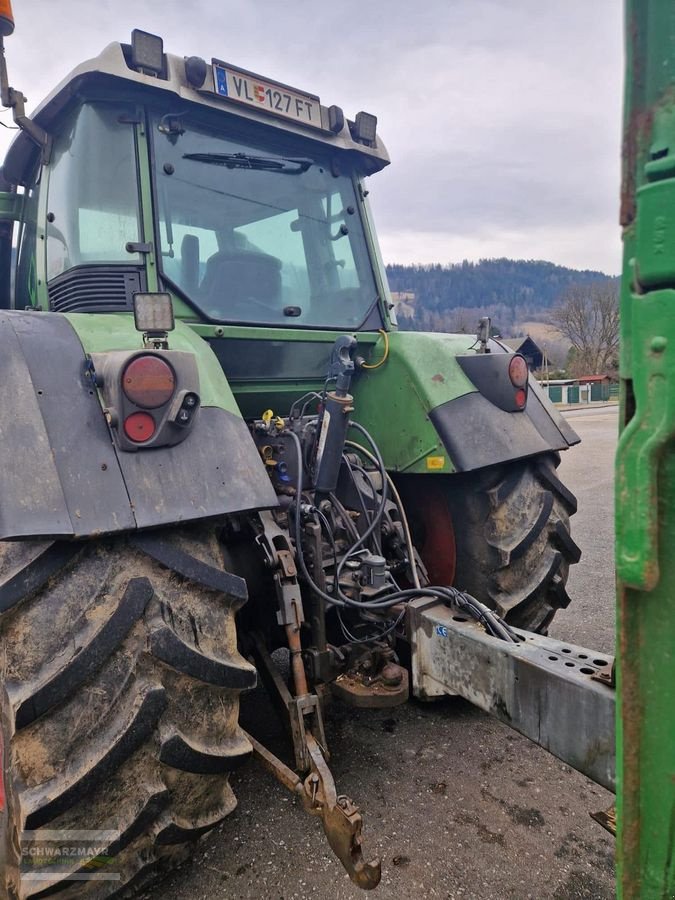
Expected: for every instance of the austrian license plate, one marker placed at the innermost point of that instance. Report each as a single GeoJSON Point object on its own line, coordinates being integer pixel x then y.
{"type": "Point", "coordinates": [278, 99]}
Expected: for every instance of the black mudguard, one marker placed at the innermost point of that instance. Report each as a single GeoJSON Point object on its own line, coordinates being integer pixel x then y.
{"type": "Point", "coordinates": [476, 433]}
{"type": "Point", "coordinates": [483, 427]}
{"type": "Point", "coordinates": [61, 474]}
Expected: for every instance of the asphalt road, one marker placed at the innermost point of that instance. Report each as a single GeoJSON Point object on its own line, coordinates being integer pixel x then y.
{"type": "Point", "coordinates": [588, 469]}
{"type": "Point", "coordinates": [456, 804]}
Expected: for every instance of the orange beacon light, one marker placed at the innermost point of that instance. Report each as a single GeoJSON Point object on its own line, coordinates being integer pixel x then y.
{"type": "Point", "coordinates": [6, 18]}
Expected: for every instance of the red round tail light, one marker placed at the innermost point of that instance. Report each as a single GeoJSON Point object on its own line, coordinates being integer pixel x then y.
{"type": "Point", "coordinates": [521, 398]}
{"type": "Point", "coordinates": [149, 382]}
{"type": "Point", "coordinates": [139, 427]}
{"type": "Point", "coordinates": [518, 371]}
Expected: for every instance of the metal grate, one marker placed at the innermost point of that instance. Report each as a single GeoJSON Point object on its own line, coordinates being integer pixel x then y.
{"type": "Point", "coordinates": [95, 289]}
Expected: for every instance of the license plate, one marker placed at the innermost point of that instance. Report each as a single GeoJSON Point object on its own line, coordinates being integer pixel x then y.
{"type": "Point", "coordinates": [278, 99]}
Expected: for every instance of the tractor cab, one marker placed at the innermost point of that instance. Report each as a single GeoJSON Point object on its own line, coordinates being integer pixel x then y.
{"type": "Point", "coordinates": [241, 197]}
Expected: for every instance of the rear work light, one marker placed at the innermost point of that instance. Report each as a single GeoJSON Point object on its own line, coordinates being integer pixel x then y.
{"type": "Point", "coordinates": [518, 371]}
{"type": "Point", "coordinates": [139, 427]}
{"type": "Point", "coordinates": [149, 382]}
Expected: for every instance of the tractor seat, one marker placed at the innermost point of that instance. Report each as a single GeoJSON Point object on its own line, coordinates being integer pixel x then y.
{"type": "Point", "coordinates": [189, 263]}
{"type": "Point", "coordinates": [234, 280]}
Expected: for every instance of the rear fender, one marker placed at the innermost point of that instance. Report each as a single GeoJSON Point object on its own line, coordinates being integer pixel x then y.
{"type": "Point", "coordinates": [430, 414]}
{"type": "Point", "coordinates": [61, 473]}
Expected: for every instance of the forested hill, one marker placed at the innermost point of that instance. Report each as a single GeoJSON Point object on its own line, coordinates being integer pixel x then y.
{"type": "Point", "coordinates": [509, 290]}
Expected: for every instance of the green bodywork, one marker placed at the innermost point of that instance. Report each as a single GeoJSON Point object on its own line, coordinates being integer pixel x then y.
{"type": "Point", "coordinates": [394, 401]}
{"type": "Point", "coordinates": [286, 380]}
{"type": "Point", "coordinates": [645, 475]}
{"type": "Point", "coordinates": [102, 333]}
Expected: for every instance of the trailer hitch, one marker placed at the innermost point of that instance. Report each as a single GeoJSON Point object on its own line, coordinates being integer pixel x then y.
{"type": "Point", "coordinates": [340, 817]}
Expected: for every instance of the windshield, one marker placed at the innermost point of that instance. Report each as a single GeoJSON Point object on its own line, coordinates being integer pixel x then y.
{"type": "Point", "coordinates": [252, 235]}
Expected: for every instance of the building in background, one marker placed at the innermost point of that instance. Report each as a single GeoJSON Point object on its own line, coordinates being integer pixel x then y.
{"type": "Point", "coordinates": [588, 389]}
{"type": "Point", "coordinates": [535, 356]}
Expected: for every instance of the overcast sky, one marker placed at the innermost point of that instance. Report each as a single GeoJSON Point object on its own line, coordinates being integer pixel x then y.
{"type": "Point", "coordinates": [502, 117]}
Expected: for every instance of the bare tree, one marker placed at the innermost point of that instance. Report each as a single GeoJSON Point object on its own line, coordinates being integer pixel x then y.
{"type": "Point", "coordinates": [589, 316]}
{"type": "Point", "coordinates": [460, 322]}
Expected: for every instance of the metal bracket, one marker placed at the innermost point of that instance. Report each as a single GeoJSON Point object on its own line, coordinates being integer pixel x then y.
{"type": "Point", "coordinates": [15, 100]}
{"type": "Point", "coordinates": [340, 817]}
{"type": "Point", "coordinates": [305, 713]}
{"type": "Point", "coordinates": [138, 247]}
{"type": "Point", "coordinates": [298, 714]}
{"type": "Point", "coordinates": [279, 556]}
{"type": "Point", "coordinates": [341, 820]}
{"type": "Point", "coordinates": [546, 689]}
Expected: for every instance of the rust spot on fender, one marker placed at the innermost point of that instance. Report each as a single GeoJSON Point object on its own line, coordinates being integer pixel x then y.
{"type": "Point", "coordinates": [438, 378]}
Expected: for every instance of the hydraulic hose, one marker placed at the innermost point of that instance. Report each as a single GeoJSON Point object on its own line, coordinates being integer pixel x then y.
{"type": "Point", "coordinates": [401, 509]}
{"type": "Point", "coordinates": [448, 594]}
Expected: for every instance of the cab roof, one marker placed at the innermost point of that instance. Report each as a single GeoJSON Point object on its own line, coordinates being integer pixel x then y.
{"type": "Point", "coordinates": [111, 71]}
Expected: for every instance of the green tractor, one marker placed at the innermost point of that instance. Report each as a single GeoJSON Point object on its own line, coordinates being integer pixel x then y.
{"type": "Point", "coordinates": [216, 444]}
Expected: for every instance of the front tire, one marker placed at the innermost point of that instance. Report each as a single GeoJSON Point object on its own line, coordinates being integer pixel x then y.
{"type": "Point", "coordinates": [120, 700]}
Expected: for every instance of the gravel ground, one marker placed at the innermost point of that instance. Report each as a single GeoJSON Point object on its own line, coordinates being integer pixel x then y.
{"type": "Point", "coordinates": [456, 804]}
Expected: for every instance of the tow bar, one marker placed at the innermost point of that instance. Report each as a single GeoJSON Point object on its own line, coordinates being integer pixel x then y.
{"type": "Point", "coordinates": [556, 694]}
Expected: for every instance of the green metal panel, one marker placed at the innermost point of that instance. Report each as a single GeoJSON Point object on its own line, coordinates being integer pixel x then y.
{"type": "Point", "coordinates": [596, 391]}
{"type": "Point", "coordinates": [393, 401]}
{"type": "Point", "coordinates": [285, 378]}
{"type": "Point", "coordinates": [645, 489]}
{"type": "Point", "coordinates": [100, 333]}
{"type": "Point", "coordinates": [262, 332]}
{"type": "Point", "coordinates": [555, 393]}
{"type": "Point", "coordinates": [145, 185]}
{"type": "Point", "coordinates": [572, 393]}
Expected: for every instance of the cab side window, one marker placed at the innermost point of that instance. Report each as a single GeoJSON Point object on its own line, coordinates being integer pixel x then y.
{"type": "Point", "coordinates": [92, 197]}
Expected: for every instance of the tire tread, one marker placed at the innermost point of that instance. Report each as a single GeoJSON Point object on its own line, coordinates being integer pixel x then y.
{"type": "Point", "coordinates": [121, 698]}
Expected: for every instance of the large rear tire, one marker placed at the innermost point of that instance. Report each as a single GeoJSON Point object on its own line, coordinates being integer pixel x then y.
{"type": "Point", "coordinates": [502, 534]}
{"type": "Point", "coordinates": [119, 704]}
{"type": "Point", "coordinates": [512, 539]}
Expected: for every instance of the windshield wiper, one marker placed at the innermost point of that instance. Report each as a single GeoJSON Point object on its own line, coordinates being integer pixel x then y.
{"type": "Point", "coordinates": [282, 164]}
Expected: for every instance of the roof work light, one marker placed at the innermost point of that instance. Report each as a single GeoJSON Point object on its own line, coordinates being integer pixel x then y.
{"type": "Point", "coordinates": [365, 128]}
{"type": "Point", "coordinates": [147, 52]}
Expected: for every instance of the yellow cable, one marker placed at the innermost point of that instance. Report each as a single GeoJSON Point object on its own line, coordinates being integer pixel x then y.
{"type": "Point", "coordinates": [377, 365]}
